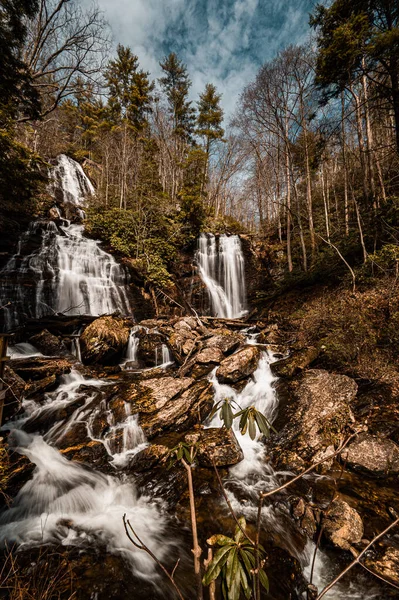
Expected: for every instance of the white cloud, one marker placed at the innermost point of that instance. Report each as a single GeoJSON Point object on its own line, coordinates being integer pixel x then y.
{"type": "Point", "coordinates": [221, 41]}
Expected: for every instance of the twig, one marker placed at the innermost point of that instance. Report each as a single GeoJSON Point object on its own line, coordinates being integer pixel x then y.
{"type": "Point", "coordinates": [142, 546]}
{"type": "Point", "coordinates": [230, 507]}
{"type": "Point", "coordinates": [309, 469]}
{"type": "Point", "coordinates": [197, 550]}
{"type": "Point", "coordinates": [357, 559]}
{"type": "Point", "coordinates": [378, 576]}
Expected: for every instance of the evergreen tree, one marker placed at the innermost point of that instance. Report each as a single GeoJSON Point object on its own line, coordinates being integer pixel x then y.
{"type": "Point", "coordinates": [130, 90]}
{"type": "Point", "coordinates": [176, 84]}
{"type": "Point", "coordinates": [17, 96]}
{"type": "Point", "coordinates": [210, 116]}
{"type": "Point", "coordinates": [357, 37]}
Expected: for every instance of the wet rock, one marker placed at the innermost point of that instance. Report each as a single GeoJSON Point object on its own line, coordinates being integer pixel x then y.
{"type": "Point", "coordinates": [149, 347]}
{"type": "Point", "coordinates": [217, 446]}
{"type": "Point", "coordinates": [104, 341]}
{"type": "Point", "coordinates": [385, 563]}
{"type": "Point", "coordinates": [269, 335]}
{"type": "Point", "coordinates": [42, 385]}
{"type": "Point", "coordinates": [153, 394]}
{"type": "Point", "coordinates": [239, 366]}
{"type": "Point", "coordinates": [343, 525]}
{"type": "Point", "coordinates": [177, 410]}
{"type": "Point", "coordinates": [37, 367]}
{"type": "Point", "coordinates": [49, 344]}
{"type": "Point", "coordinates": [183, 339]}
{"type": "Point", "coordinates": [15, 388]}
{"type": "Point", "coordinates": [204, 361]}
{"type": "Point", "coordinates": [225, 340]}
{"type": "Point", "coordinates": [373, 455]}
{"type": "Point", "coordinates": [92, 453]}
{"type": "Point", "coordinates": [297, 362]}
{"type": "Point", "coordinates": [317, 418]}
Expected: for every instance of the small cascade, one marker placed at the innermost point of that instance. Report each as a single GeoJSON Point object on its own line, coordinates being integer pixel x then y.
{"type": "Point", "coordinates": [64, 502]}
{"type": "Point", "coordinates": [221, 267]}
{"type": "Point", "coordinates": [69, 183]}
{"type": "Point", "coordinates": [163, 356]}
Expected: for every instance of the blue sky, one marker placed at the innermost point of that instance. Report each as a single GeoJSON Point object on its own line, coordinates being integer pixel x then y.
{"type": "Point", "coordinates": [222, 41]}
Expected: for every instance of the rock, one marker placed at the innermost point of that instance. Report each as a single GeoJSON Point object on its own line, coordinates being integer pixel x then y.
{"type": "Point", "coordinates": [386, 563]}
{"type": "Point", "coordinates": [218, 445]}
{"type": "Point", "coordinates": [104, 341]}
{"type": "Point", "coordinates": [270, 335]}
{"type": "Point", "coordinates": [317, 418]}
{"type": "Point", "coordinates": [239, 366]}
{"type": "Point", "coordinates": [149, 347]}
{"type": "Point", "coordinates": [15, 388]}
{"type": "Point", "coordinates": [92, 453]}
{"type": "Point", "coordinates": [42, 385]}
{"type": "Point", "coordinates": [153, 394]}
{"type": "Point", "coordinates": [182, 340]}
{"type": "Point", "coordinates": [38, 367]}
{"type": "Point", "coordinates": [203, 362]}
{"type": "Point", "coordinates": [372, 455]}
{"type": "Point", "coordinates": [295, 363]}
{"type": "Point", "coordinates": [181, 412]}
{"type": "Point", "coordinates": [49, 344]}
{"type": "Point", "coordinates": [225, 340]}
{"type": "Point", "coordinates": [343, 525]}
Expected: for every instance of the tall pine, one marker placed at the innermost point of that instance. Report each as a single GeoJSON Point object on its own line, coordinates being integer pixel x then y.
{"type": "Point", "coordinates": [176, 84]}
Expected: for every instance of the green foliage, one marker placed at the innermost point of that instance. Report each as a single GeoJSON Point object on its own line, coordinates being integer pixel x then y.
{"type": "Point", "coordinates": [210, 116]}
{"type": "Point", "coordinates": [250, 418]}
{"type": "Point", "coordinates": [143, 241]}
{"type": "Point", "coordinates": [192, 209]}
{"type": "Point", "coordinates": [234, 562]}
{"type": "Point", "coordinates": [176, 84]}
{"type": "Point", "coordinates": [182, 451]}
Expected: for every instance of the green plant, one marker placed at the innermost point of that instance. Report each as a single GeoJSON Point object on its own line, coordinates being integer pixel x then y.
{"type": "Point", "coordinates": [235, 563]}
{"type": "Point", "coordinates": [250, 417]}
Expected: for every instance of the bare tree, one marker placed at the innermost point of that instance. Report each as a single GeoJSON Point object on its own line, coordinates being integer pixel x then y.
{"type": "Point", "coordinates": [65, 43]}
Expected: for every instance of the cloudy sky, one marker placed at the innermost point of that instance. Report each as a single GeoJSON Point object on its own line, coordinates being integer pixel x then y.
{"type": "Point", "coordinates": [222, 41]}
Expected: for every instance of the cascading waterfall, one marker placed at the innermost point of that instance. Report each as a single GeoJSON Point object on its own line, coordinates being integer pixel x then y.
{"type": "Point", "coordinates": [69, 183]}
{"type": "Point", "coordinates": [221, 267]}
{"type": "Point", "coordinates": [254, 475]}
{"type": "Point", "coordinates": [57, 269]}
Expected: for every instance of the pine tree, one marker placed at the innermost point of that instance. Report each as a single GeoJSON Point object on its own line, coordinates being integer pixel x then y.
{"type": "Point", "coordinates": [176, 84]}
{"type": "Point", "coordinates": [130, 90]}
{"type": "Point", "coordinates": [210, 117]}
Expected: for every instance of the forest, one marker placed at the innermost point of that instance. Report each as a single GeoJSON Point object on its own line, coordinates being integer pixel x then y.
{"type": "Point", "coordinates": [199, 315]}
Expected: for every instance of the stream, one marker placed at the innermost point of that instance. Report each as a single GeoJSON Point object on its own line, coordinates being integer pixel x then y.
{"type": "Point", "coordinates": [72, 504]}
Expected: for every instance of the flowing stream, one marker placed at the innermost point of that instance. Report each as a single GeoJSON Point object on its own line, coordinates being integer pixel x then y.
{"type": "Point", "coordinates": [221, 267]}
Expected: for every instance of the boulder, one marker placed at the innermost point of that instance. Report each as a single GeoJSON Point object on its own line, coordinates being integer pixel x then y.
{"type": "Point", "coordinates": [225, 340]}
{"type": "Point", "coordinates": [42, 385]}
{"type": "Point", "coordinates": [270, 335]}
{"type": "Point", "coordinates": [372, 455]}
{"type": "Point", "coordinates": [15, 388]}
{"type": "Point", "coordinates": [204, 361]}
{"type": "Point", "coordinates": [38, 367]}
{"type": "Point", "coordinates": [296, 362]}
{"type": "Point", "coordinates": [385, 563]}
{"type": "Point", "coordinates": [318, 418]}
{"type": "Point", "coordinates": [178, 405]}
{"type": "Point", "coordinates": [343, 525]}
{"type": "Point", "coordinates": [217, 446]}
{"type": "Point", "coordinates": [49, 344]}
{"type": "Point", "coordinates": [104, 341]}
{"type": "Point", "coordinates": [239, 366]}
{"type": "Point", "coordinates": [149, 347]}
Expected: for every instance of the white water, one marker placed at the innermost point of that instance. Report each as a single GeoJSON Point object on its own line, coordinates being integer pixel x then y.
{"type": "Point", "coordinates": [66, 503]}
{"type": "Point", "coordinates": [163, 356]}
{"type": "Point", "coordinates": [69, 180]}
{"type": "Point", "coordinates": [221, 267]}
{"type": "Point", "coordinates": [253, 475]}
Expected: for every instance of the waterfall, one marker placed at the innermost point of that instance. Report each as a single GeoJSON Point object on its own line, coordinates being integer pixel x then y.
{"type": "Point", "coordinates": [221, 267]}
{"type": "Point", "coordinates": [68, 182]}
{"type": "Point", "coordinates": [66, 273]}
{"type": "Point", "coordinates": [56, 269]}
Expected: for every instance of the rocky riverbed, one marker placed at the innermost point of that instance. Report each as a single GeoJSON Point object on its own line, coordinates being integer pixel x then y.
{"type": "Point", "coordinates": [100, 412]}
